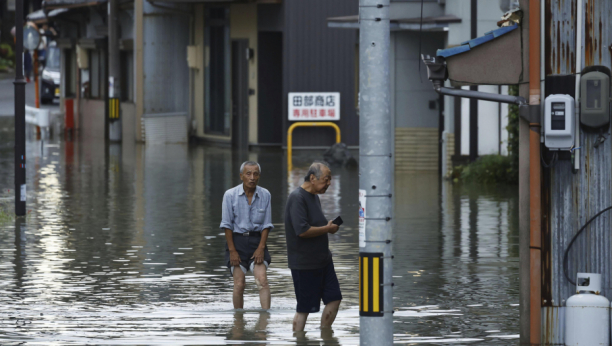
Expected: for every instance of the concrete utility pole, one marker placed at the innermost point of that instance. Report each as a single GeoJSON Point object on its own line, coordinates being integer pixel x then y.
{"type": "Point", "coordinates": [376, 176]}
{"type": "Point", "coordinates": [114, 72]}
{"type": "Point", "coordinates": [20, 145]}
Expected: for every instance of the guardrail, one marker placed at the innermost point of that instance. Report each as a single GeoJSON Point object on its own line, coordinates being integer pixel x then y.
{"type": "Point", "coordinates": [305, 124]}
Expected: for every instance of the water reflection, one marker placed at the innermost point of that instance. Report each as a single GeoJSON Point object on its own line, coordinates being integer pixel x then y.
{"type": "Point", "coordinates": [122, 247]}
{"type": "Point", "coordinates": [253, 334]}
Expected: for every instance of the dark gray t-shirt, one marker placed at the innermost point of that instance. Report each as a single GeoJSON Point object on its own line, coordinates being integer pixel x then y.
{"type": "Point", "coordinates": [303, 211]}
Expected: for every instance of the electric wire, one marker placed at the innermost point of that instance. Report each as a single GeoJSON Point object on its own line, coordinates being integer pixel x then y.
{"type": "Point", "coordinates": [565, 258]}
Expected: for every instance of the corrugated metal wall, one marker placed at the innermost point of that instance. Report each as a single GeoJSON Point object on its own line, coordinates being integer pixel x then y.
{"type": "Point", "coordinates": [574, 198]}
{"type": "Point", "coordinates": [560, 37]}
{"type": "Point", "coordinates": [317, 58]}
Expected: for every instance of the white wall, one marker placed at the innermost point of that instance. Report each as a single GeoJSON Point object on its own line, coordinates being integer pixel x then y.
{"type": "Point", "coordinates": [489, 13]}
{"type": "Point", "coordinates": [489, 124]}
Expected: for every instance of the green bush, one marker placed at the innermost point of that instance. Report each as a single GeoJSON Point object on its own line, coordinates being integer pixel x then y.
{"type": "Point", "coordinates": [488, 169]}
{"type": "Point", "coordinates": [496, 168]}
{"type": "Point", "coordinates": [7, 56]}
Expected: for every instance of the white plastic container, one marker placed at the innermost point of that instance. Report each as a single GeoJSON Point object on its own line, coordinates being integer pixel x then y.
{"type": "Point", "coordinates": [587, 314]}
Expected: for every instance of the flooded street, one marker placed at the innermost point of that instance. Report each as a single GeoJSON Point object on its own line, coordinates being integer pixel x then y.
{"type": "Point", "coordinates": [122, 246]}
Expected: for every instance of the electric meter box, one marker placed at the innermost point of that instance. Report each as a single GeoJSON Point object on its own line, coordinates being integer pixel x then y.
{"type": "Point", "coordinates": [595, 99]}
{"type": "Point", "coordinates": [559, 122]}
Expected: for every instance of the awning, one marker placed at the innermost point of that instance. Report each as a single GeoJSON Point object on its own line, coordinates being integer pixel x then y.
{"type": "Point", "coordinates": [39, 17]}
{"type": "Point", "coordinates": [439, 23]}
{"type": "Point", "coordinates": [56, 4]}
{"type": "Point", "coordinates": [493, 59]}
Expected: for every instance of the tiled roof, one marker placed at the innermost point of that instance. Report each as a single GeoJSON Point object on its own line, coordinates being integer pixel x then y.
{"type": "Point", "coordinates": [468, 45]}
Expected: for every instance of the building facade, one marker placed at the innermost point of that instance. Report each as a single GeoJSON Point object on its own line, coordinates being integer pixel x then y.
{"type": "Point", "coordinates": [217, 72]}
{"type": "Point", "coordinates": [432, 132]}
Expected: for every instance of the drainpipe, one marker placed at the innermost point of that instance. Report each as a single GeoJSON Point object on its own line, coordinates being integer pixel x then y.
{"type": "Point", "coordinates": [579, 51]}
{"type": "Point", "coordinates": [535, 197]}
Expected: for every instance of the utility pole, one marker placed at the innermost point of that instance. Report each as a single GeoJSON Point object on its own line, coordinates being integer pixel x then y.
{"type": "Point", "coordinates": [20, 145]}
{"type": "Point", "coordinates": [376, 176]}
{"type": "Point", "coordinates": [473, 102]}
{"type": "Point", "coordinates": [114, 69]}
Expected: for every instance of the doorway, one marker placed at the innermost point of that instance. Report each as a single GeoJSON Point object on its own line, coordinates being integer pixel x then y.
{"type": "Point", "coordinates": [240, 94]}
{"type": "Point", "coordinates": [270, 88]}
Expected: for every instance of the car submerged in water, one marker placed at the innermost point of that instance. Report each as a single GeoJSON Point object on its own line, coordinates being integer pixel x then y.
{"type": "Point", "coordinates": [50, 88]}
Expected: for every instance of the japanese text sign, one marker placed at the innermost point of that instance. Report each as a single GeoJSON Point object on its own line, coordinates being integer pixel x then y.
{"type": "Point", "coordinates": [314, 106]}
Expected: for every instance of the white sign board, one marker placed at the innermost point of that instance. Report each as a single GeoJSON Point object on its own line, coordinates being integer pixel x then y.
{"type": "Point", "coordinates": [23, 193]}
{"type": "Point", "coordinates": [362, 220]}
{"type": "Point", "coordinates": [314, 106]}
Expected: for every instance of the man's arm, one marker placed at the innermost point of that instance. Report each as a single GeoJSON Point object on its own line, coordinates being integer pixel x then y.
{"type": "Point", "coordinates": [227, 213]}
{"type": "Point", "coordinates": [301, 225]}
{"type": "Point", "coordinates": [318, 231]}
{"type": "Point", "coordinates": [227, 223]}
{"type": "Point", "coordinates": [234, 256]}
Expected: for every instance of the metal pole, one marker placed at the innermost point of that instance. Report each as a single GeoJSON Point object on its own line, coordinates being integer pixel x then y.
{"type": "Point", "coordinates": [114, 70]}
{"type": "Point", "coordinates": [20, 176]}
{"type": "Point", "coordinates": [473, 102]}
{"type": "Point", "coordinates": [376, 177]}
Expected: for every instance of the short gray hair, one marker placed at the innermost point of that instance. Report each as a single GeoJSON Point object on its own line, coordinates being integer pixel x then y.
{"type": "Point", "coordinates": [316, 168]}
{"type": "Point", "coordinates": [249, 163]}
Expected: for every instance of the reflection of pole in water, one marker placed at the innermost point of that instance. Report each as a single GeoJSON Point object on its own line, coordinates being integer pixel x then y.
{"type": "Point", "coordinates": [20, 254]}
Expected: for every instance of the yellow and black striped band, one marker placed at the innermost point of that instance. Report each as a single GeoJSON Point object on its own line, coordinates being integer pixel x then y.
{"type": "Point", "coordinates": [371, 284]}
{"type": "Point", "coordinates": [113, 109]}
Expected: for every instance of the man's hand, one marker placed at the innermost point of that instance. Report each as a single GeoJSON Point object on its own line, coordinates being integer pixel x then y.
{"type": "Point", "coordinates": [258, 256]}
{"type": "Point", "coordinates": [333, 228]}
{"type": "Point", "coordinates": [234, 258]}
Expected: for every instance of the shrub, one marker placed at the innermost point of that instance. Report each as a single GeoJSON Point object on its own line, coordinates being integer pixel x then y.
{"type": "Point", "coordinates": [488, 169]}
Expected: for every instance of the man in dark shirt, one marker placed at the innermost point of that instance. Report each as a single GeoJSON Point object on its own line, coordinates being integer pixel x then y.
{"type": "Point", "coordinates": [310, 260]}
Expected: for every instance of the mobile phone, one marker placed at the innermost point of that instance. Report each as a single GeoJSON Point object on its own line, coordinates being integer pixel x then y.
{"type": "Point", "coordinates": [338, 221]}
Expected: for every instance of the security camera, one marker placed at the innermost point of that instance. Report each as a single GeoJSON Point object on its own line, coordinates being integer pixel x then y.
{"type": "Point", "coordinates": [436, 69]}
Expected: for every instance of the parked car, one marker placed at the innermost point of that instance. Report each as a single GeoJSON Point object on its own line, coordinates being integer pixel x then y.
{"type": "Point", "coordinates": [50, 87]}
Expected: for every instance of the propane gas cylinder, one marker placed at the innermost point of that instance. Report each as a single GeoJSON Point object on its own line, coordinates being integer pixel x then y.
{"type": "Point", "coordinates": [587, 314]}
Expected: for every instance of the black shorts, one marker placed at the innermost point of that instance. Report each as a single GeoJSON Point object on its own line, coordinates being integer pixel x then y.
{"type": "Point", "coordinates": [246, 246]}
{"type": "Point", "coordinates": [312, 285]}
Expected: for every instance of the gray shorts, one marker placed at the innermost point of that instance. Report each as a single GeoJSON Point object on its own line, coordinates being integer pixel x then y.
{"type": "Point", "coordinates": [246, 246]}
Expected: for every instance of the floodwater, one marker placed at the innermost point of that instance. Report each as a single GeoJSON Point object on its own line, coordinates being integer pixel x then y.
{"type": "Point", "coordinates": [121, 246]}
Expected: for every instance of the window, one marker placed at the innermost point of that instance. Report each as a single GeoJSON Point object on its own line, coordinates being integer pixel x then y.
{"type": "Point", "coordinates": [71, 73]}
{"type": "Point", "coordinates": [85, 87]}
{"type": "Point", "coordinates": [217, 94]}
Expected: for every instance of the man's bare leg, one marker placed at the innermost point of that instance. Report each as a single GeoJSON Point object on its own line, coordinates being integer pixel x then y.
{"type": "Point", "coordinates": [299, 321]}
{"type": "Point", "coordinates": [329, 314]}
{"type": "Point", "coordinates": [239, 283]}
{"type": "Point", "coordinates": [261, 280]}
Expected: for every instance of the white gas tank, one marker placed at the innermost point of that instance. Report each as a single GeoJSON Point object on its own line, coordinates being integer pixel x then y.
{"type": "Point", "coordinates": [587, 314]}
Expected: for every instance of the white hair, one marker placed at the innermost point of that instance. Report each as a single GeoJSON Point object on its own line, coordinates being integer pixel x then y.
{"type": "Point", "coordinates": [317, 169]}
{"type": "Point", "coordinates": [249, 163]}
